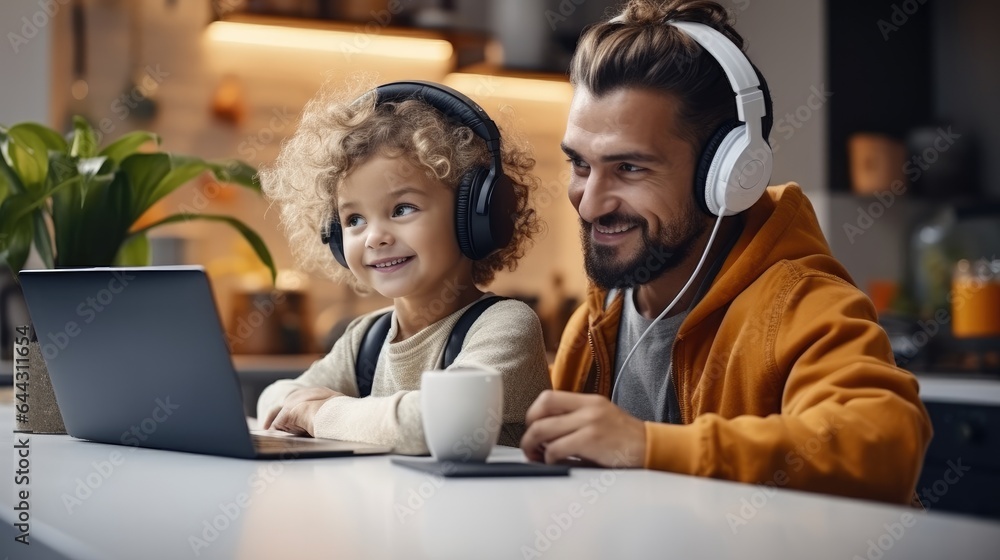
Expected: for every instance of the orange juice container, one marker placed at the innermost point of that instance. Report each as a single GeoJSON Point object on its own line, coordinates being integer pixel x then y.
{"type": "Point", "coordinates": [975, 299]}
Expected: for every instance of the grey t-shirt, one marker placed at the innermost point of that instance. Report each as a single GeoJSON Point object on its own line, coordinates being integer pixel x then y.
{"type": "Point", "coordinates": [646, 388]}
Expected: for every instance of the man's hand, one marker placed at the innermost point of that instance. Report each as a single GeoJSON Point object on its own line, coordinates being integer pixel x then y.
{"type": "Point", "coordinates": [298, 410]}
{"type": "Point", "coordinates": [563, 424]}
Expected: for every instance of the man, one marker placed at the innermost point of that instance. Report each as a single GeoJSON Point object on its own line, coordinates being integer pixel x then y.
{"type": "Point", "coordinates": [771, 368]}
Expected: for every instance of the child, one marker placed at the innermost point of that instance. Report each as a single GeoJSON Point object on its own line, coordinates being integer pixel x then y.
{"type": "Point", "coordinates": [385, 178]}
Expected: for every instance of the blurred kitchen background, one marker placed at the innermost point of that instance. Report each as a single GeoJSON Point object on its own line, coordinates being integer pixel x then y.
{"type": "Point", "coordinates": [885, 112]}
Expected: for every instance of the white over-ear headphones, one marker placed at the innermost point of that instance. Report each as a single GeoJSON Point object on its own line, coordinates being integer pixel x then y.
{"type": "Point", "coordinates": [735, 166]}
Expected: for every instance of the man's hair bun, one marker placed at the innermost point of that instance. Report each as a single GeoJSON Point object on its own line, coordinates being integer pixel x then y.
{"type": "Point", "coordinates": [653, 12]}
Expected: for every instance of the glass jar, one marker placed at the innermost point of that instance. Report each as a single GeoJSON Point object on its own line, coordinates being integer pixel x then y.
{"type": "Point", "coordinates": [963, 231]}
{"type": "Point", "coordinates": [975, 299]}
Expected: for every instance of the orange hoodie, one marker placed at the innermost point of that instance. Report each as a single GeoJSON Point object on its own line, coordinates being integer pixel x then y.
{"type": "Point", "coordinates": [782, 373]}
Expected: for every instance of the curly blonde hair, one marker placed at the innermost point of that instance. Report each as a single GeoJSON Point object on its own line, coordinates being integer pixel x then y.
{"type": "Point", "coordinates": [340, 131]}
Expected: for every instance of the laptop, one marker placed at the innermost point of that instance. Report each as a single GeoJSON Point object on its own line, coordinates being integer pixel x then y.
{"type": "Point", "coordinates": [138, 356]}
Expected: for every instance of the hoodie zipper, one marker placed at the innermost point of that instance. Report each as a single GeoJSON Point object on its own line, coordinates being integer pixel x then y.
{"type": "Point", "coordinates": [672, 371]}
{"type": "Point", "coordinates": [597, 364]}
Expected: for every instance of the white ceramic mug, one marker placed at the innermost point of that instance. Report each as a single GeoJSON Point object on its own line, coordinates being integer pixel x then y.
{"type": "Point", "coordinates": [462, 411]}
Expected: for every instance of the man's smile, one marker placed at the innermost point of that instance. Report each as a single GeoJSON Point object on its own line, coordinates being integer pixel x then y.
{"type": "Point", "coordinates": [614, 229]}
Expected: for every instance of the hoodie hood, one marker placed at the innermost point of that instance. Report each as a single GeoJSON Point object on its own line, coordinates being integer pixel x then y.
{"type": "Point", "coordinates": [781, 226]}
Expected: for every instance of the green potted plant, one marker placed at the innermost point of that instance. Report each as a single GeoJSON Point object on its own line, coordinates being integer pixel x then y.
{"type": "Point", "coordinates": [78, 205]}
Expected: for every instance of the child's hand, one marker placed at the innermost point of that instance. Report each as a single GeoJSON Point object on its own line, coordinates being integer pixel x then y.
{"type": "Point", "coordinates": [298, 410]}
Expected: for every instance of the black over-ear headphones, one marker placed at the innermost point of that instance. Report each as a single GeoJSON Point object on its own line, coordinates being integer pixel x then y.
{"type": "Point", "coordinates": [485, 203]}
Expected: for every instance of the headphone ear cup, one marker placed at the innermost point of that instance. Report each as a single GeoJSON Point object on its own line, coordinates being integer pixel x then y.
{"type": "Point", "coordinates": [707, 161]}
{"type": "Point", "coordinates": [503, 206]}
{"type": "Point", "coordinates": [336, 243]}
{"type": "Point", "coordinates": [480, 235]}
{"type": "Point", "coordinates": [464, 212]}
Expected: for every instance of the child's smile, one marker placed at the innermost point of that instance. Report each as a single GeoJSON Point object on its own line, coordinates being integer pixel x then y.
{"type": "Point", "coordinates": [390, 265]}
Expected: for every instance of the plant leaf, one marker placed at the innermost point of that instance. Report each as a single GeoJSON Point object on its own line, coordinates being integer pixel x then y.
{"type": "Point", "coordinates": [17, 246]}
{"type": "Point", "coordinates": [27, 203]}
{"type": "Point", "coordinates": [10, 179]}
{"type": "Point", "coordinates": [145, 171]}
{"type": "Point", "coordinates": [6, 176]}
{"type": "Point", "coordinates": [67, 221]}
{"type": "Point", "coordinates": [74, 213]}
{"type": "Point", "coordinates": [248, 234]}
{"type": "Point", "coordinates": [90, 169]}
{"type": "Point", "coordinates": [53, 142]}
{"type": "Point", "coordinates": [43, 242]}
{"type": "Point", "coordinates": [128, 145]}
{"type": "Point", "coordinates": [182, 170]}
{"type": "Point", "coordinates": [28, 156]}
{"type": "Point", "coordinates": [84, 139]}
{"type": "Point", "coordinates": [134, 251]}
{"type": "Point", "coordinates": [236, 172]}
{"type": "Point", "coordinates": [4, 185]}
{"type": "Point", "coordinates": [91, 228]}
{"type": "Point", "coordinates": [61, 167]}
{"type": "Point", "coordinates": [106, 220]}
{"type": "Point", "coordinates": [66, 202]}
{"type": "Point", "coordinates": [15, 234]}
{"type": "Point", "coordinates": [10, 212]}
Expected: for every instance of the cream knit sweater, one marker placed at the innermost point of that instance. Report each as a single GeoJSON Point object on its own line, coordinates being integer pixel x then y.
{"type": "Point", "coordinates": [507, 338]}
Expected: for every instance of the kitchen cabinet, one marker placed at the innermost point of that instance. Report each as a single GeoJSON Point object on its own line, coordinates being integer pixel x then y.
{"type": "Point", "coordinates": [962, 467]}
{"type": "Point", "coordinates": [880, 73]}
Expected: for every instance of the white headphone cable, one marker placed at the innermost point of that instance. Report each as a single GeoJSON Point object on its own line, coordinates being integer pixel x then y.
{"type": "Point", "coordinates": [680, 294]}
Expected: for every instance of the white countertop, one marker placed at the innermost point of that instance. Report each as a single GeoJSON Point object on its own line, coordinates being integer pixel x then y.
{"type": "Point", "coordinates": [958, 388]}
{"type": "Point", "coordinates": [155, 504]}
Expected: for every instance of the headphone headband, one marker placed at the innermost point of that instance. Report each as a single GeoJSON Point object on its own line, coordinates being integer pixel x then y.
{"type": "Point", "coordinates": [742, 78]}
{"type": "Point", "coordinates": [456, 107]}
{"type": "Point", "coordinates": [452, 103]}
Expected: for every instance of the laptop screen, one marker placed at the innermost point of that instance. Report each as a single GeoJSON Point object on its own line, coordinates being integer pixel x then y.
{"type": "Point", "coordinates": [138, 356]}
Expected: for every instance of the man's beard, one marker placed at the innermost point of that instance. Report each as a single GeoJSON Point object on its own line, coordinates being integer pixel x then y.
{"type": "Point", "coordinates": [653, 258]}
